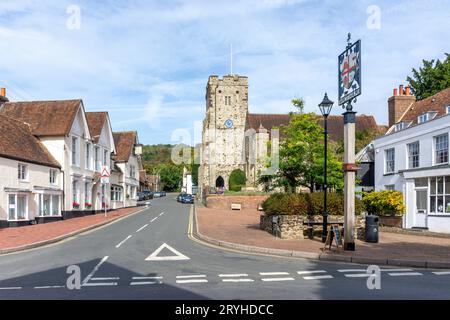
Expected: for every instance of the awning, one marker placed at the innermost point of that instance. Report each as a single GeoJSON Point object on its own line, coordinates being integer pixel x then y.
{"type": "Point", "coordinates": [17, 190]}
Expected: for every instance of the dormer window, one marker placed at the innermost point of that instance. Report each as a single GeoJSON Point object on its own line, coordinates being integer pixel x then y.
{"type": "Point", "coordinates": [401, 125]}
{"type": "Point", "coordinates": [426, 117]}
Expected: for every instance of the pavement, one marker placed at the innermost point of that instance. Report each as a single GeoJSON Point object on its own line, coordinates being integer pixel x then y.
{"type": "Point", "coordinates": [27, 237]}
{"type": "Point", "coordinates": [240, 230]}
{"type": "Point", "coordinates": [153, 254]}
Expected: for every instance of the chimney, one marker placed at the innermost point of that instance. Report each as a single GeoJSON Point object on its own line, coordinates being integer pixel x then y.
{"type": "Point", "coordinates": [398, 104]}
{"type": "Point", "coordinates": [395, 91]}
{"type": "Point", "coordinates": [3, 98]}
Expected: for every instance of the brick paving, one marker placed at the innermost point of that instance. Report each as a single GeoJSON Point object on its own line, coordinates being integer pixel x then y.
{"type": "Point", "coordinates": [242, 227]}
{"type": "Point", "coordinates": [22, 236]}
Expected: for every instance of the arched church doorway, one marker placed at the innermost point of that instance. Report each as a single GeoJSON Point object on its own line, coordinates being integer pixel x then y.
{"type": "Point", "coordinates": [220, 183]}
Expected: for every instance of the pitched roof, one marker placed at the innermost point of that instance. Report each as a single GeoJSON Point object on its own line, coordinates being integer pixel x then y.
{"type": "Point", "coordinates": [17, 142]}
{"type": "Point", "coordinates": [124, 142]}
{"type": "Point", "coordinates": [96, 121]}
{"type": "Point", "coordinates": [46, 118]}
{"type": "Point", "coordinates": [436, 103]}
{"type": "Point", "coordinates": [335, 123]}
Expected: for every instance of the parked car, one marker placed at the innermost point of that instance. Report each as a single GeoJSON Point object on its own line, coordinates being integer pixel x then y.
{"type": "Point", "coordinates": [157, 194]}
{"type": "Point", "coordinates": [187, 198]}
{"type": "Point", "coordinates": [163, 193]}
{"type": "Point", "coordinates": [141, 196]}
{"type": "Point", "coordinates": [148, 194]}
{"type": "Point", "coordinates": [180, 196]}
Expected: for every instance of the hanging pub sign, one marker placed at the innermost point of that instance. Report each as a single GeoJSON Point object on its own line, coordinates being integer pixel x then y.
{"type": "Point", "coordinates": [350, 73]}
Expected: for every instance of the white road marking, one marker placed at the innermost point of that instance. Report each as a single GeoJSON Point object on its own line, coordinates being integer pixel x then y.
{"type": "Point", "coordinates": [238, 280]}
{"type": "Point", "coordinates": [359, 275]}
{"type": "Point", "coordinates": [396, 270]}
{"type": "Point", "coordinates": [90, 275]}
{"type": "Point", "coordinates": [318, 277]}
{"type": "Point", "coordinates": [146, 278]}
{"type": "Point", "coordinates": [106, 278]}
{"type": "Point", "coordinates": [143, 227]}
{"type": "Point", "coordinates": [311, 271]}
{"type": "Point", "coordinates": [123, 241]}
{"type": "Point", "coordinates": [274, 273]}
{"type": "Point", "coordinates": [11, 288]}
{"type": "Point", "coordinates": [161, 214]}
{"type": "Point", "coordinates": [145, 283]}
{"type": "Point", "coordinates": [154, 219]}
{"type": "Point", "coordinates": [441, 273]}
{"type": "Point", "coordinates": [352, 270]}
{"type": "Point", "coordinates": [277, 279]}
{"type": "Point", "coordinates": [398, 274]}
{"type": "Point", "coordinates": [178, 255]}
{"type": "Point", "coordinates": [49, 287]}
{"type": "Point", "coordinates": [99, 284]}
{"type": "Point", "coordinates": [191, 276]}
{"type": "Point", "coordinates": [192, 281]}
{"type": "Point", "coordinates": [233, 275]}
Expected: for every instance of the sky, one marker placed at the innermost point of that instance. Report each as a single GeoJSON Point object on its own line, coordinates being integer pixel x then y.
{"type": "Point", "coordinates": [147, 62]}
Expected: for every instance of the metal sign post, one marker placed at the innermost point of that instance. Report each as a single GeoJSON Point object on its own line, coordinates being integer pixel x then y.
{"type": "Point", "coordinates": [349, 88]}
{"type": "Point", "coordinates": [105, 181]}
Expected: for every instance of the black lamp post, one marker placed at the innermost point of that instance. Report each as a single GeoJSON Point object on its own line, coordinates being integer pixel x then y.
{"type": "Point", "coordinates": [325, 108]}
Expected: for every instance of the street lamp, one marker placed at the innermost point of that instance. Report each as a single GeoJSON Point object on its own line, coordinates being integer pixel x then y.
{"type": "Point", "coordinates": [325, 108]}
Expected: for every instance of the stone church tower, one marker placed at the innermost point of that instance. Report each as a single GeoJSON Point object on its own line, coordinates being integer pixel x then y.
{"type": "Point", "coordinates": [223, 148]}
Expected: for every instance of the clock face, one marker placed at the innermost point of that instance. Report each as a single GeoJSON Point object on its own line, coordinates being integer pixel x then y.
{"type": "Point", "coordinates": [229, 123]}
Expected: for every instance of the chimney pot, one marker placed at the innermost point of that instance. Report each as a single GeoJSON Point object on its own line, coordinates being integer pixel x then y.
{"type": "Point", "coordinates": [3, 92]}
{"type": "Point", "coordinates": [408, 91]}
{"type": "Point", "coordinates": [401, 92]}
{"type": "Point", "coordinates": [395, 92]}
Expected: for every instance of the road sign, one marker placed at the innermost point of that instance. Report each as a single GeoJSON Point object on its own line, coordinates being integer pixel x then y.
{"type": "Point", "coordinates": [350, 73]}
{"type": "Point", "coordinates": [104, 180]}
{"type": "Point", "coordinates": [177, 255]}
{"type": "Point", "coordinates": [105, 175]}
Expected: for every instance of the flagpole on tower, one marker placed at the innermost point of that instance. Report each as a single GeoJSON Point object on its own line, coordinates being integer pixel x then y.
{"type": "Point", "coordinates": [231, 58]}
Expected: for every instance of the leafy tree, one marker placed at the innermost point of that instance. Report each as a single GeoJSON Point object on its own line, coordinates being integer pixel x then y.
{"type": "Point", "coordinates": [302, 155]}
{"type": "Point", "coordinates": [171, 177]}
{"type": "Point", "coordinates": [237, 180]}
{"type": "Point", "coordinates": [433, 77]}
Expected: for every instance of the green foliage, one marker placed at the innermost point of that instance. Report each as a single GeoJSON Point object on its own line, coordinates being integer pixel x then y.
{"type": "Point", "coordinates": [387, 202]}
{"type": "Point", "coordinates": [299, 103]}
{"type": "Point", "coordinates": [171, 177]}
{"type": "Point", "coordinates": [307, 204]}
{"type": "Point", "coordinates": [433, 77]}
{"type": "Point", "coordinates": [237, 180]}
{"type": "Point", "coordinates": [302, 155]}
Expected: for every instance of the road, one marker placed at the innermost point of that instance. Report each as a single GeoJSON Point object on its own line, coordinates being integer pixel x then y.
{"type": "Point", "coordinates": [149, 256]}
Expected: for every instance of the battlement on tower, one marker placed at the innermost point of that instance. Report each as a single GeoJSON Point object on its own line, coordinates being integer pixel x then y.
{"type": "Point", "coordinates": [228, 80]}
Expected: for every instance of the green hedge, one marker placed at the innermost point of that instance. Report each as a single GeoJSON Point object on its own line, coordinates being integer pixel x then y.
{"type": "Point", "coordinates": [307, 204]}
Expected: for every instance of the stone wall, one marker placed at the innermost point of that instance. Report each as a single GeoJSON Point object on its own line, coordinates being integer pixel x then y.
{"type": "Point", "coordinates": [214, 201]}
{"type": "Point", "coordinates": [283, 226]}
{"type": "Point", "coordinates": [291, 226]}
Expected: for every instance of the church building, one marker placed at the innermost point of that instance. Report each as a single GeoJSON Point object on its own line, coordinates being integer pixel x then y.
{"type": "Point", "coordinates": [233, 138]}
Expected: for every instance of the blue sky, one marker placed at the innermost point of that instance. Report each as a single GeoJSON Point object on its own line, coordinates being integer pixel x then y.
{"type": "Point", "coordinates": [147, 62]}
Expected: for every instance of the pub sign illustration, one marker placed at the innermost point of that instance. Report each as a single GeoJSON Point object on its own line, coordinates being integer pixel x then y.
{"type": "Point", "coordinates": [350, 73]}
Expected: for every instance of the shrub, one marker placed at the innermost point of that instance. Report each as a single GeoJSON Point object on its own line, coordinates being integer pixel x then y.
{"type": "Point", "coordinates": [387, 202]}
{"type": "Point", "coordinates": [307, 204]}
{"type": "Point", "coordinates": [237, 180]}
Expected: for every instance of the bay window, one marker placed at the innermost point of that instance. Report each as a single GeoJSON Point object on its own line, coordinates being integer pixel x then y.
{"type": "Point", "coordinates": [49, 205]}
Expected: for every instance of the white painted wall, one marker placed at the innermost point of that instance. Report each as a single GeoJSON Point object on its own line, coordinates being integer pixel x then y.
{"type": "Point", "coordinates": [403, 177]}
{"type": "Point", "coordinates": [38, 176]}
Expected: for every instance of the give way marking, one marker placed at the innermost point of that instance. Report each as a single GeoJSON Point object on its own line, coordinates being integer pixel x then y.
{"type": "Point", "coordinates": [177, 255]}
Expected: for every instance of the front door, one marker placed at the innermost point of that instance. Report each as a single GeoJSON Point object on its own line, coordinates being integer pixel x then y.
{"type": "Point", "coordinates": [420, 218]}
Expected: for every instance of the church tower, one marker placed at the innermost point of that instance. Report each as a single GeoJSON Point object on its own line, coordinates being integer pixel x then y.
{"type": "Point", "coordinates": [223, 130]}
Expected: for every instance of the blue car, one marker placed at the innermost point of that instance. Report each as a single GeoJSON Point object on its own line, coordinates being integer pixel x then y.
{"type": "Point", "coordinates": [188, 198]}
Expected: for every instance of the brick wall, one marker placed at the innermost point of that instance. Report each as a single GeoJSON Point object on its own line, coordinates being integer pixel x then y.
{"type": "Point", "coordinates": [224, 202]}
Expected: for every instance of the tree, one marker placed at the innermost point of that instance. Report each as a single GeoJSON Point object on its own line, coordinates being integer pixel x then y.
{"type": "Point", "coordinates": [237, 180]}
{"type": "Point", "coordinates": [302, 155]}
{"type": "Point", "coordinates": [433, 77]}
{"type": "Point", "coordinates": [171, 176]}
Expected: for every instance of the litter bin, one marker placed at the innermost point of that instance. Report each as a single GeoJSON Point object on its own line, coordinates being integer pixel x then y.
{"type": "Point", "coordinates": [372, 228]}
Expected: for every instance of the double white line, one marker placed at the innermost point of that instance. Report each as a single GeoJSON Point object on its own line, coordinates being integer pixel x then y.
{"type": "Point", "coordinates": [308, 275]}
{"type": "Point", "coordinates": [200, 278]}
{"type": "Point", "coordinates": [276, 274]}
{"type": "Point", "coordinates": [151, 280]}
{"type": "Point", "coordinates": [242, 277]}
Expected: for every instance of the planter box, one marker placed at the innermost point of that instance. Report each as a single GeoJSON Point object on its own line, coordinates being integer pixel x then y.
{"type": "Point", "coordinates": [391, 221]}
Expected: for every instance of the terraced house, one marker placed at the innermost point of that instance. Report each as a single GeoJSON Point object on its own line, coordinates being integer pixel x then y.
{"type": "Point", "coordinates": [56, 151]}
{"type": "Point", "coordinates": [413, 157]}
